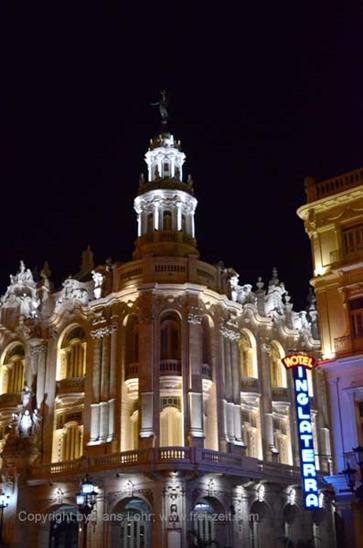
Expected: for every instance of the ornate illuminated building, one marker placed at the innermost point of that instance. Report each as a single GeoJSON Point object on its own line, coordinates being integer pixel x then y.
{"type": "Point", "coordinates": [162, 379]}
{"type": "Point", "coordinates": [333, 218]}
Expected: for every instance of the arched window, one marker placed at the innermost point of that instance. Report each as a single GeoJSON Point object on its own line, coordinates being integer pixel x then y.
{"type": "Point", "coordinates": [184, 223]}
{"type": "Point", "coordinates": [167, 220]}
{"type": "Point", "coordinates": [248, 355]}
{"type": "Point", "coordinates": [170, 347]}
{"type": "Point", "coordinates": [208, 531]}
{"type": "Point", "coordinates": [13, 370]}
{"type": "Point", "coordinates": [260, 522]}
{"type": "Point", "coordinates": [64, 527]}
{"type": "Point", "coordinates": [282, 438]}
{"type": "Point", "coordinates": [204, 524]}
{"type": "Point", "coordinates": [73, 355]}
{"type": "Point", "coordinates": [134, 529]}
{"type": "Point", "coordinates": [278, 372]}
{"type": "Point", "coordinates": [72, 441]}
{"type": "Point", "coordinates": [171, 427]}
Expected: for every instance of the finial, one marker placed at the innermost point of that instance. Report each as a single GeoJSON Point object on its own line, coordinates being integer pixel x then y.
{"type": "Point", "coordinates": [46, 271]}
{"type": "Point", "coordinates": [311, 299]}
{"type": "Point", "coordinates": [87, 263]}
{"type": "Point", "coordinates": [163, 107]}
{"type": "Point", "coordinates": [274, 280]}
{"type": "Point", "coordinates": [259, 283]}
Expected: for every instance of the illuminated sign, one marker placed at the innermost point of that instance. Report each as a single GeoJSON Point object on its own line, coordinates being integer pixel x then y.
{"type": "Point", "coordinates": [299, 363]}
{"type": "Point", "coordinates": [292, 360]}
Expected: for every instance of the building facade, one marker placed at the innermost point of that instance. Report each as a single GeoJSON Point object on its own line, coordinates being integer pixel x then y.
{"type": "Point", "coordinates": [333, 218]}
{"type": "Point", "coordinates": [162, 379]}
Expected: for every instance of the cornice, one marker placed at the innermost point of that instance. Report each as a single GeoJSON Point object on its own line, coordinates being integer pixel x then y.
{"type": "Point", "coordinates": [336, 200]}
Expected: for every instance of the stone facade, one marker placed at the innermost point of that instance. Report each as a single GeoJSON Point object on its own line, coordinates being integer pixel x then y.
{"type": "Point", "coordinates": [162, 379]}
{"type": "Point", "coordinates": [333, 219]}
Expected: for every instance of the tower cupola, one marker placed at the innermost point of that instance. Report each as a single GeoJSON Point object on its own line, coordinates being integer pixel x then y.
{"type": "Point", "coordinates": [165, 205]}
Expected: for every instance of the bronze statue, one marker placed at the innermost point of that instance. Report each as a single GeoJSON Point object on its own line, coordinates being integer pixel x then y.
{"type": "Point", "coordinates": [163, 107]}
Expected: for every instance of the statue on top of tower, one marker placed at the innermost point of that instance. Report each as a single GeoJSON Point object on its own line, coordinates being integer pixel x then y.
{"type": "Point", "coordinates": [163, 107]}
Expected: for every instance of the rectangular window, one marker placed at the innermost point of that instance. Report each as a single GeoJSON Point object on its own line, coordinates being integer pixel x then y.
{"type": "Point", "coordinates": [359, 407]}
{"type": "Point", "coordinates": [356, 317]}
{"type": "Point", "coordinates": [353, 240]}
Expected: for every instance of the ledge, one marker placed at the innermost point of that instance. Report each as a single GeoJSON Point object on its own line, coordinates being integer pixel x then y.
{"type": "Point", "coordinates": [164, 458]}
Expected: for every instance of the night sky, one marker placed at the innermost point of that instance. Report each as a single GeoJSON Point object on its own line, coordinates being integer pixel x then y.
{"type": "Point", "coordinates": [260, 96]}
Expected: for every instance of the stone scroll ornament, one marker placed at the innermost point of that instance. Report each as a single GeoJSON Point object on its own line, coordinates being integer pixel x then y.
{"type": "Point", "coordinates": [299, 363]}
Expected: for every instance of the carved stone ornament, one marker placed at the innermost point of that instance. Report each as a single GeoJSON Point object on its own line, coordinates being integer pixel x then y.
{"type": "Point", "coordinates": [104, 331]}
{"type": "Point", "coordinates": [194, 319]}
{"type": "Point", "coordinates": [22, 293]}
{"type": "Point", "coordinates": [230, 334]}
{"type": "Point", "coordinates": [73, 292]}
{"type": "Point", "coordinates": [242, 294]}
{"type": "Point", "coordinates": [98, 279]}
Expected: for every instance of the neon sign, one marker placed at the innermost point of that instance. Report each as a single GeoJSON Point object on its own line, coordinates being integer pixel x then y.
{"type": "Point", "coordinates": [299, 363]}
{"type": "Point", "coordinates": [292, 360]}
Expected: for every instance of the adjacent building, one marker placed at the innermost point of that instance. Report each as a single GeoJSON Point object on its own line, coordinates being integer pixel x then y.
{"type": "Point", "coordinates": [161, 378]}
{"type": "Point", "coordinates": [333, 219]}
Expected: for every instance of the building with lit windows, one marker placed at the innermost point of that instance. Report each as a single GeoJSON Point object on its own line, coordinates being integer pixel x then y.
{"type": "Point", "coordinates": [333, 219]}
{"type": "Point", "coordinates": [161, 378]}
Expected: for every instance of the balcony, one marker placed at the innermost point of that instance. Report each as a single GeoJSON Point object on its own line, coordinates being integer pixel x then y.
{"type": "Point", "coordinates": [132, 371]}
{"type": "Point", "coordinates": [72, 385]}
{"type": "Point", "coordinates": [170, 367]}
{"type": "Point", "coordinates": [10, 399]}
{"type": "Point", "coordinates": [348, 345]}
{"type": "Point", "coordinates": [280, 393]}
{"type": "Point", "coordinates": [316, 190]}
{"type": "Point", "coordinates": [249, 384]}
{"type": "Point", "coordinates": [346, 256]}
{"type": "Point", "coordinates": [160, 458]}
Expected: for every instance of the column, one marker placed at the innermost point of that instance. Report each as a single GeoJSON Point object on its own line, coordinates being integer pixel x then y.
{"type": "Point", "coordinates": [39, 356]}
{"type": "Point", "coordinates": [264, 350]}
{"type": "Point", "coordinates": [236, 392]}
{"type": "Point", "coordinates": [95, 423]}
{"type": "Point", "coordinates": [179, 217]}
{"type": "Point", "coordinates": [148, 400]}
{"type": "Point", "coordinates": [195, 389]}
{"type": "Point", "coordinates": [156, 217]}
{"type": "Point", "coordinates": [221, 397]}
{"type": "Point", "coordinates": [105, 367]}
{"type": "Point", "coordinates": [103, 421]}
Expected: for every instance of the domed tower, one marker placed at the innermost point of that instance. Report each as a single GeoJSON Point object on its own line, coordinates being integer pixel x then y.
{"type": "Point", "coordinates": [165, 205]}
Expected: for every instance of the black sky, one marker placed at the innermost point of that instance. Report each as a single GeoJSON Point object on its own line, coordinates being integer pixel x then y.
{"type": "Point", "coordinates": [261, 95]}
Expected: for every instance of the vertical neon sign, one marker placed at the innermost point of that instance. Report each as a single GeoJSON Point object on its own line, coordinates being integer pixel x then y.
{"type": "Point", "coordinates": [299, 363]}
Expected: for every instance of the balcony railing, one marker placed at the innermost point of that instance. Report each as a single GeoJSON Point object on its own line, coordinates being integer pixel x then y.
{"type": "Point", "coordinates": [349, 255]}
{"type": "Point", "coordinates": [280, 393]}
{"type": "Point", "coordinates": [132, 371]}
{"type": "Point", "coordinates": [249, 384]}
{"type": "Point", "coordinates": [316, 190]}
{"type": "Point", "coordinates": [10, 399]}
{"type": "Point", "coordinates": [348, 345]}
{"type": "Point", "coordinates": [160, 457]}
{"type": "Point", "coordinates": [70, 386]}
{"type": "Point", "coordinates": [170, 367]}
